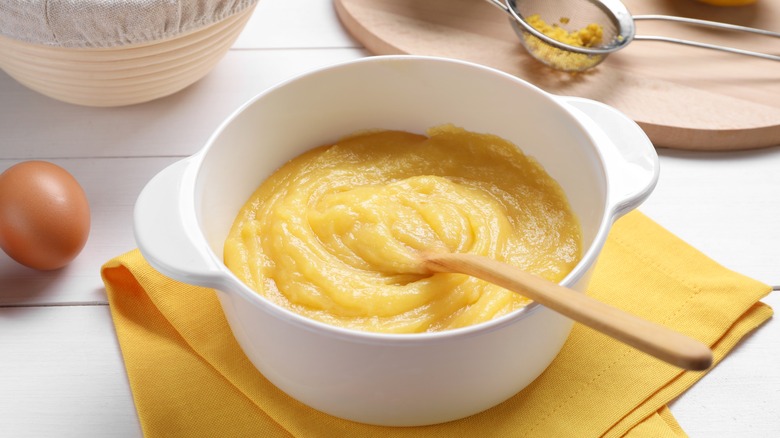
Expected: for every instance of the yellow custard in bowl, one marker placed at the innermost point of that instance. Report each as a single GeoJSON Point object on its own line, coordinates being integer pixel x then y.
{"type": "Point", "coordinates": [334, 234]}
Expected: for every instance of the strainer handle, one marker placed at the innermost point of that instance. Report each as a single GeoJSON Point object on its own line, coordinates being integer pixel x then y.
{"type": "Point", "coordinates": [707, 23]}
{"type": "Point", "coordinates": [734, 50]}
{"type": "Point", "coordinates": [499, 4]}
{"type": "Point", "coordinates": [167, 235]}
{"type": "Point", "coordinates": [630, 159]}
{"type": "Point", "coordinates": [710, 24]}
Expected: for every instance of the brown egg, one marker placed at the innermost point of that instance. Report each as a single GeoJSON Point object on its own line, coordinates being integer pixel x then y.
{"type": "Point", "coordinates": [44, 215]}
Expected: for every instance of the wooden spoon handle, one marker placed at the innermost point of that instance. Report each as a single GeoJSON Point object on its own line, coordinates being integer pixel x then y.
{"type": "Point", "coordinates": [656, 340]}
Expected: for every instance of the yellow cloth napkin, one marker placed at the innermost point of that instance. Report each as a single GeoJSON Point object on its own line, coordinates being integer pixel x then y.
{"type": "Point", "coordinates": [189, 377]}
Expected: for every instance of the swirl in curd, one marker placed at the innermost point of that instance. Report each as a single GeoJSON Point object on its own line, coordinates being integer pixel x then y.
{"type": "Point", "coordinates": [335, 234]}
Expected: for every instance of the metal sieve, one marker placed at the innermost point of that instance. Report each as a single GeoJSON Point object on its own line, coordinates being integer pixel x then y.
{"type": "Point", "coordinates": [616, 23]}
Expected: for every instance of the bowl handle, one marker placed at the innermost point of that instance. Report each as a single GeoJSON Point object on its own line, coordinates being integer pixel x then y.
{"type": "Point", "coordinates": [630, 159]}
{"type": "Point", "coordinates": [167, 238]}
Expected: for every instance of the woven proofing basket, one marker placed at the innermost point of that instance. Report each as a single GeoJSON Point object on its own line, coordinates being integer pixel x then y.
{"type": "Point", "coordinates": [121, 75]}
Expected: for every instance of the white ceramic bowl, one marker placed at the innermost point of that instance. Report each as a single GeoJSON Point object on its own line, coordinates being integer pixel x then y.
{"type": "Point", "coordinates": [604, 162]}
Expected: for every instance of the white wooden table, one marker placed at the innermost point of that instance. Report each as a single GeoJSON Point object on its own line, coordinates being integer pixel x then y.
{"type": "Point", "coordinates": [61, 373]}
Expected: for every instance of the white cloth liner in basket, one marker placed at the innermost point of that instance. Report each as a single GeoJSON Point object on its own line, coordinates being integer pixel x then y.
{"type": "Point", "coordinates": [109, 23]}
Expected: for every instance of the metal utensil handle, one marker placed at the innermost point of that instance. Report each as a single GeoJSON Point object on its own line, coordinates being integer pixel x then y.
{"type": "Point", "coordinates": [708, 46]}
{"type": "Point", "coordinates": [712, 24]}
{"type": "Point", "coordinates": [707, 23]}
{"type": "Point", "coordinates": [499, 4]}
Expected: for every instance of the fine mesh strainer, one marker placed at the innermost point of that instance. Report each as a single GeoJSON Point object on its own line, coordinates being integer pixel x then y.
{"type": "Point", "coordinates": [616, 26]}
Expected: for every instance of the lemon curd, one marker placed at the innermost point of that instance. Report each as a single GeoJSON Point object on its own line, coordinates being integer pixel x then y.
{"type": "Point", "coordinates": [335, 234]}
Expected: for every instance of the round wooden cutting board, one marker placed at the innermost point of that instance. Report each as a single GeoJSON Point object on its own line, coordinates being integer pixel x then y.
{"type": "Point", "coordinates": [683, 97]}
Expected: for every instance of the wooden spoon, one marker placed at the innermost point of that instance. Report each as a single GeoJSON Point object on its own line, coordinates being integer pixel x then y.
{"type": "Point", "coordinates": [656, 340]}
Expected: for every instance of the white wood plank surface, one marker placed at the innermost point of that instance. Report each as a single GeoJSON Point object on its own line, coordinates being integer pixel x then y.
{"type": "Point", "coordinates": [61, 372]}
{"type": "Point", "coordinates": [741, 396]}
{"type": "Point", "coordinates": [725, 204]}
{"type": "Point", "coordinates": [294, 24]}
{"type": "Point", "coordinates": [35, 126]}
